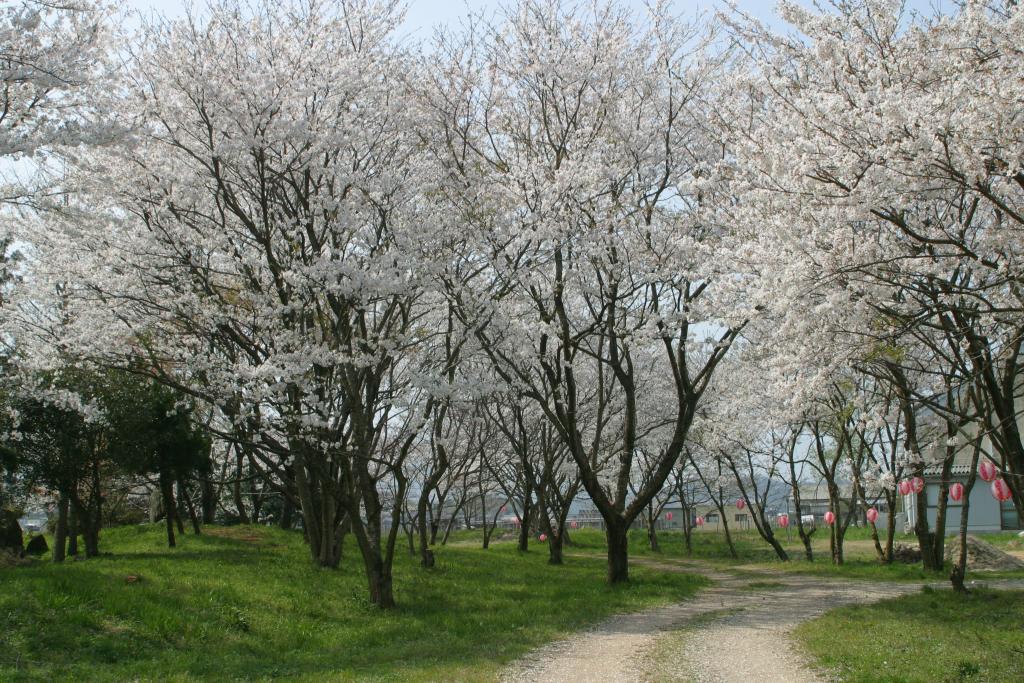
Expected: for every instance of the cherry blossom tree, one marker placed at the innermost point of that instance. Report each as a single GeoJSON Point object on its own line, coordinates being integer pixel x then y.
{"type": "Point", "coordinates": [262, 242]}
{"type": "Point", "coordinates": [878, 152]}
{"type": "Point", "coordinates": [574, 145]}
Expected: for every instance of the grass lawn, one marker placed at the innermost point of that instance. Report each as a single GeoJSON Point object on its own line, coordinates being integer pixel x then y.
{"type": "Point", "coordinates": [244, 603]}
{"type": "Point", "coordinates": [925, 637]}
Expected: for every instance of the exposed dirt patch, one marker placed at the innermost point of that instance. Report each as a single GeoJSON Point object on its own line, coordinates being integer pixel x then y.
{"type": "Point", "coordinates": [238, 534]}
{"type": "Point", "coordinates": [982, 555]}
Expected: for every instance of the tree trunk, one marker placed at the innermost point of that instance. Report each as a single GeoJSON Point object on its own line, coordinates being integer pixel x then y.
{"type": "Point", "coordinates": [451, 522]}
{"type": "Point", "coordinates": [617, 534]}
{"type": "Point", "coordinates": [236, 489]}
{"type": "Point", "coordinates": [939, 537]}
{"type": "Point", "coordinates": [73, 531]}
{"type": "Point", "coordinates": [60, 535]}
{"type": "Point", "coordinates": [835, 535]}
{"type": "Point", "coordinates": [924, 537]}
{"type": "Point", "coordinates": [331, 532]}
{"type": "Point", "coordinates": [178, 517]}
{"type": "Point", "coordinates": [890, 526]}
{"type": "Point", "coordinates": [193, 517]}
{"type": "Point", "coordinates": [725, 528]}
{"type": "Point", "coordinates": [410, 535]}
{"type": "Point", "coordinates": [90, 528]}
{"type": "Point", "coordinates": [524, 526]}
{"type": "Point", "coordinates": [687, 530]}
{"type": "Point", "coordinates": [426, 554]}
{"type": "Point", "coordinates": [287, 519]}
{"type": "Point", "coordinates": [877, 541]}
{"type": "Point", "coordinates": [779, 550]}
{"type": "Point", "coordinates": [379, 579]}
{"type": "Point", "coordinates": [960, 566]}
{"type": "Point", "coordinates": [167, 491]}
{"type": "Point", "coordinates": [208, 500]}
{"type": "Point", "coordinates": [798, 510]}
{"type": "Point", "coordinates": [555, 542]}
{"type": "Point", "coordinates": [310, 519]}
{"type": "Point", "coordinates": [258, 498]}
{"type": "Point", "coordinates": [959, 572]}
{"type": "Point", "coordinates": [652, 532]}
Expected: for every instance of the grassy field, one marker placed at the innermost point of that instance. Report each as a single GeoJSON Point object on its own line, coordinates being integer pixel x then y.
{"type": "Point", "coordinates": [244, 603]}
{"type": "Point", "coordinates": [926, 637]}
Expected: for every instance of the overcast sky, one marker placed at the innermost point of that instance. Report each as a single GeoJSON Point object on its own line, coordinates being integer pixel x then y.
{"type": "Point", "coordinates": [424, 14]}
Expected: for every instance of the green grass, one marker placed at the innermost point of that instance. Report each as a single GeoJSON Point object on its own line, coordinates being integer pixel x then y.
{"type": "Point", "coordinates": [925, 637]}
{"type": "Point", "coordinates": [244, 603]}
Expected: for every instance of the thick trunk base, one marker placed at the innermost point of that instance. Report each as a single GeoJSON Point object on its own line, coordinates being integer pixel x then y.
{"type": "Point", "coordinates": [618, 555]}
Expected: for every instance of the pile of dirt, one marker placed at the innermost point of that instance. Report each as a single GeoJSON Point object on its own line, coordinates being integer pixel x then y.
{"type": "Point", "coordinates": [907, 554]}
{"type": "Point", "coordinates": [981, 555]}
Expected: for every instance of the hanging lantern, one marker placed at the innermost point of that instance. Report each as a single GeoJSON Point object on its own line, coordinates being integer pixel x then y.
{"type": "Point", "coordinates": [783, 521]}
{"type": "Point", "coordinates": [574, 524]}
{"type": "Point", "coordinates": [904, 488]}
{"type": "Point", "coordinates": [956, 491]}
{"type": "Point", "coordinates": [518, 521]}
{"type": "Point", "coordinates": [1000, 491]}
{"type": "Point", "coordinates": [740, 504]}
{"type": "Point", "coordinates": [543, 537]}
{"type": "Point", "coordinates": [830, 517]}
{"type": "Point", "coordinates": [668, 516]}
{"type": "Point", "coordinates": [700, 521]}
{"type": "Point", "coordinates": [917, 484]}
{"type": "Point", "coordinates": [987, 470]}
{"type": "Point", "coordinates": [872, 515]}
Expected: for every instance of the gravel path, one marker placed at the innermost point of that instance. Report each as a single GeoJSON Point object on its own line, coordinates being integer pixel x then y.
{"type": "Point", "coordinates": [728, 632]}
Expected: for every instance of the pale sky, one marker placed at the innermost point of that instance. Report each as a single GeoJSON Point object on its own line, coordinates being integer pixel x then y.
{"type": "Point", "coordinates": [424, 14]}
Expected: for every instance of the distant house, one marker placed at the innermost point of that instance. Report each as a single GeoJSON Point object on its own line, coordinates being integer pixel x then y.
{"type": "Point", "coordinates": [985, 514]}
{"type": "Point", "coordinates": [736, 518]}
{"type": "Point", "coordinates": [814, 503]}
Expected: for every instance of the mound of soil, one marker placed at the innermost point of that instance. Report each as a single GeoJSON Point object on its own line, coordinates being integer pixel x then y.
{"type": "Point", "coordinates": [981, 555]}
{"type": "Point", "coordinates": [907, 554]}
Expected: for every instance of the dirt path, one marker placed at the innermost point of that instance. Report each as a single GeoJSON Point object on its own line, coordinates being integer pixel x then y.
{"type": "Point", "coordinates": [737, 630]}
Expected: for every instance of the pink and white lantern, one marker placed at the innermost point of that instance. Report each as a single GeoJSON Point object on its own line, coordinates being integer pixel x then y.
{"type": "Point", "coordinates": [1000, 491]}
{"type": "Point", "coordinates": [700, 521]}
{"type": "Point", "coordinates": [543, 537]}
{"type": "Point", "coordinates": [668, 516]}
{"type": "Point", "coordinates": [740, 504]}
{"type": "Point", "coordinates": [917, 484]}
{"type": "Point", "coordinates": [904, 487]}
{"type": "Point", "coordinates": [956, 491]}
{"type": "Point", "coordinates": [783, 521]}
{"type": "Point", "coordinates": [830, 518]}
{"type": "Point", "coordinates": [872, 515]}
{"type": "Point", "coordinates": [987, 470]}
{"type": "Point", "coordinates": [574, 524]}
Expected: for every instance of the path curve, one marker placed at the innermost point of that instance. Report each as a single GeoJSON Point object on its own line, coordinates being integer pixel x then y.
{"type": "Point", "coordinates": [733, 633]}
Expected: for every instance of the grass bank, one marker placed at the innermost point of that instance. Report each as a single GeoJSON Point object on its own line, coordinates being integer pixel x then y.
{"type": "Point", "coordinates": [925, 637]}
{"type": "Point", "coordinates": [244, 603]}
